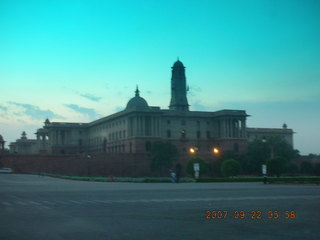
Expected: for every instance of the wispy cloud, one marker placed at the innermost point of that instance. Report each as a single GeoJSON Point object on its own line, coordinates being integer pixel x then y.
{"type": "Point", "coordinates": [194, 89]}
{"type": "Point", "coordinates": [198, 106]}
{"type": "Point", "coordinates": [90, 97]}
{"type": "Point", "coordinates": [35, 112]}
{"type": "Point", "coordinates": [3, 111]}
{"type": "Point", "coordinates": [90, 112]}
{"type": "Point", "coordinates": [3, 108]}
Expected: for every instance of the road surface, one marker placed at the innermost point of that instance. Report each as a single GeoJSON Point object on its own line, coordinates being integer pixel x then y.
{"type": "Point", "coordinates": [37, 207]}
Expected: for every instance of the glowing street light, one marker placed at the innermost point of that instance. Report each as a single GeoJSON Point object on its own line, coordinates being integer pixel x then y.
{"type": "Point", "coordinates": [193, 150]}
{"type": "Point", "coordinates": [215, 151]}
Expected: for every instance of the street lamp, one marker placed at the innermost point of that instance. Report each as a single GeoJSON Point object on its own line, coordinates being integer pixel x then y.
{"type": "Point", "coordinates": [193, 150]}
{"type": "Point", "coordinates": [215, 150]}
{"type": "Point", "coordinates": [264, 166]}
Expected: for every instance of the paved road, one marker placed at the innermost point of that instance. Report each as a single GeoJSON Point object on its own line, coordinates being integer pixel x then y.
{"type": "Point", "coordinates": [33, 207]}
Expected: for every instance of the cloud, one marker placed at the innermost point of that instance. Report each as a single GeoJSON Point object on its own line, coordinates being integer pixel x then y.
{"type": "Point", "coordinates": [198, 106]}
{"type": "Point", "coordinates": [90, 97]}
{"type": "Point", "coordinates": [3, 108]}
{"type": "Point", "coordinates": [194, 89]}
{"type": "Point", "coordinates": [35, 112]}
{"type": "Point", "coordinates": [90, 112]}
{"type": "Point", "coordinates": [3, 111]}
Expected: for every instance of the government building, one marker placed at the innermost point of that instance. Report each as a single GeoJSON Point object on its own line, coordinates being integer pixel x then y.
{"type": "Point", "coordinates": [134, 129]}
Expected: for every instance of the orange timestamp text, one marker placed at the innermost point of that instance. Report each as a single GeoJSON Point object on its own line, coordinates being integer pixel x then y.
{"type": "Point", "coordinates": [252, 214]}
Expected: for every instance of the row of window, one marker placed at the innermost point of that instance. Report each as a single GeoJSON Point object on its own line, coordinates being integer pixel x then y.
{"type": "Point", "coordinates": [117, 135]}
{"type": "Point", "coordinates": [184, 122]}
{"type": "Point", "coordinates": [122, 148]}
{"type": "Point", "coordinates": [184, 134]}
{"type": "Point", "coordinates": [111, 137]}
{"type": "Point", "coordinates": [109, 125]}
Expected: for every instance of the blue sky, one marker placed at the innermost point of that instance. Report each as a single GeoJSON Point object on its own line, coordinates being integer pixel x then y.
{"type": "Point", "coordinates": [81, 60]}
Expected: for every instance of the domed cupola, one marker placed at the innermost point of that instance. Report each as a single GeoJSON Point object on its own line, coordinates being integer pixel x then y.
{"type": "Point", "coordinates": [137, 102]}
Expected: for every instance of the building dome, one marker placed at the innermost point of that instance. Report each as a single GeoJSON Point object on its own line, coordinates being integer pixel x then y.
{"type": "Point", "coordinates": [137, 102]}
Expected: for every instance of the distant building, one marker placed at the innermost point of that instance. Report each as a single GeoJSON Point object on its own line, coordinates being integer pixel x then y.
{"type": "Point", "coordinates": [260, 133]}
{"type": "Point", "coordinates": [2, 142]}
{"type": "Point", "coordinates": [24, 145]}
{"type": "Point", "coordinates": [134, 129]}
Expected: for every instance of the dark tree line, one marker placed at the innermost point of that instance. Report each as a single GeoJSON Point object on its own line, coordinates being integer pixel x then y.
{"type": "Point", "coordinates": [273, 151]}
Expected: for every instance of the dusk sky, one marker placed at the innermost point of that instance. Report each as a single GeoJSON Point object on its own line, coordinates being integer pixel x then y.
{"type": "Point", "coordinates": [77, 61]}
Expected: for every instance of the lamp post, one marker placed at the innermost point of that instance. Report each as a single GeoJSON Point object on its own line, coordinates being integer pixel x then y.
{"type": "Point", "coordinates": [196, 166]}
{"type": "Point", "coordinates": [264, 166]}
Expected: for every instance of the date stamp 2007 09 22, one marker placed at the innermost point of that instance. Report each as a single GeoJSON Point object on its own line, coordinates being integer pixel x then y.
{"type": "Point", "coordinates": [253, 214]}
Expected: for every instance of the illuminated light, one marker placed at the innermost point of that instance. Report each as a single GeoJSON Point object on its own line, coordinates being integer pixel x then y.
{"type": "Point", "coordinates": [216, 150]}
{"type": "Point", "coordinates": [192, 150]}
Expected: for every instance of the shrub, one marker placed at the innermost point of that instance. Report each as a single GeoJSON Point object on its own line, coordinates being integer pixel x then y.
{"type": "Point", "coordinates": [317, 169]}
{"type": "Point", "coordinates": [230, 167]}
{"type": "Point", "coordinates": [277, 166]}
{"type": "Point", "coordinates": [204, 167]}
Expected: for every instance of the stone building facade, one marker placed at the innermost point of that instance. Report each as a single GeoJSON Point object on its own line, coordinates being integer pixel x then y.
{"type": "Point", "coordinates": [134, 129]}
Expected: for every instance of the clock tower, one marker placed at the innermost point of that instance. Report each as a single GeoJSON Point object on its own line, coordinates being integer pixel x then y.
{"type": "Point", "coordinates": [179, 100]}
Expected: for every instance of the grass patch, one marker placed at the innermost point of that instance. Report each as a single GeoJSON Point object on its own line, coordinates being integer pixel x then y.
{"type": "Point", "coordinates": [120, 179]}
{"type": "Point", "coordinates": [231, 179]}
{"type": "Point", "coordinates": [302, 180]}
{"type": "Point", "coordinates": [299, 180]}
{"type": "Point", "coordinates": [273, 180]}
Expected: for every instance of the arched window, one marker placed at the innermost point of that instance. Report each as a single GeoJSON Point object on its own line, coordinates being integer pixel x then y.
{"type": "Point", "coordinates": [183, 133]}
{"type": "Point", "coordinates": [198, 134]}
{"type": "Point", "coordinates": [148, 146]}
{"type": "Point", "coordinates": [236, 147]}
{"type": "Point", "coordinates": [168, 134]}
{"type": "Point", "coordinates": [104, 146]}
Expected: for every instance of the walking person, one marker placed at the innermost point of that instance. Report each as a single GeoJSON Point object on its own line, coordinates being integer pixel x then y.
{"type": "Point", "coordinates": [173, 176]}
{"type": "Point", "coordinates": [178, 172]}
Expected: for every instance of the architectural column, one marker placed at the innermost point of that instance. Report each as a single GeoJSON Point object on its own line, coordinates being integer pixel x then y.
{"type": "Point", "coordinates": [243, 128]}
{"type": "Point", "coordinates": [233, 135]}
{"type": "Point", "coordinates": [237, 128]}
{"type": "Point", "coordinates": [158, 126]}
{"type": "Point", "coordinates": [153, 126]}
{"type": "Point", "coordinates": [137, 126]}
{"type": "Point", "coordinates": [143, 126]}
{"type": "Point", "coordinates": [222, 128]}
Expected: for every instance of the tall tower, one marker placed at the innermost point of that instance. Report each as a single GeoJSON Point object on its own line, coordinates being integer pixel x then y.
{"type": "Point", "coordinates": [178, 88]}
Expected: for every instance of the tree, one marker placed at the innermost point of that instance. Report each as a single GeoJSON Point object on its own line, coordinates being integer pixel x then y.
{"type": "Point", "coordinates": [230, 167]}
{"type": "Point", "coordinates": [293, 169]}
{"type": "Point", "coordinates": [259, 152]}
{"type": "Point", "coordinates": [204, 167]}
{"type": "Point", "coordinates": [163, 155]}
{"type": "Point", "coordinates": [277, 166]}
{"type": "Point", "coordinates": [306, 168]}
{"type": "Point", "coordinates": [317, 169]}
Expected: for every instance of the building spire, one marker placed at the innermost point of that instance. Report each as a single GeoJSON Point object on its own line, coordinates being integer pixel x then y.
{"type": "Point", "coordinates": [137, 91]}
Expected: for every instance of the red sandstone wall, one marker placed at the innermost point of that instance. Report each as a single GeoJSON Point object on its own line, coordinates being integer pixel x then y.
{"type": "Point", "coordinates": [98, 165]}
